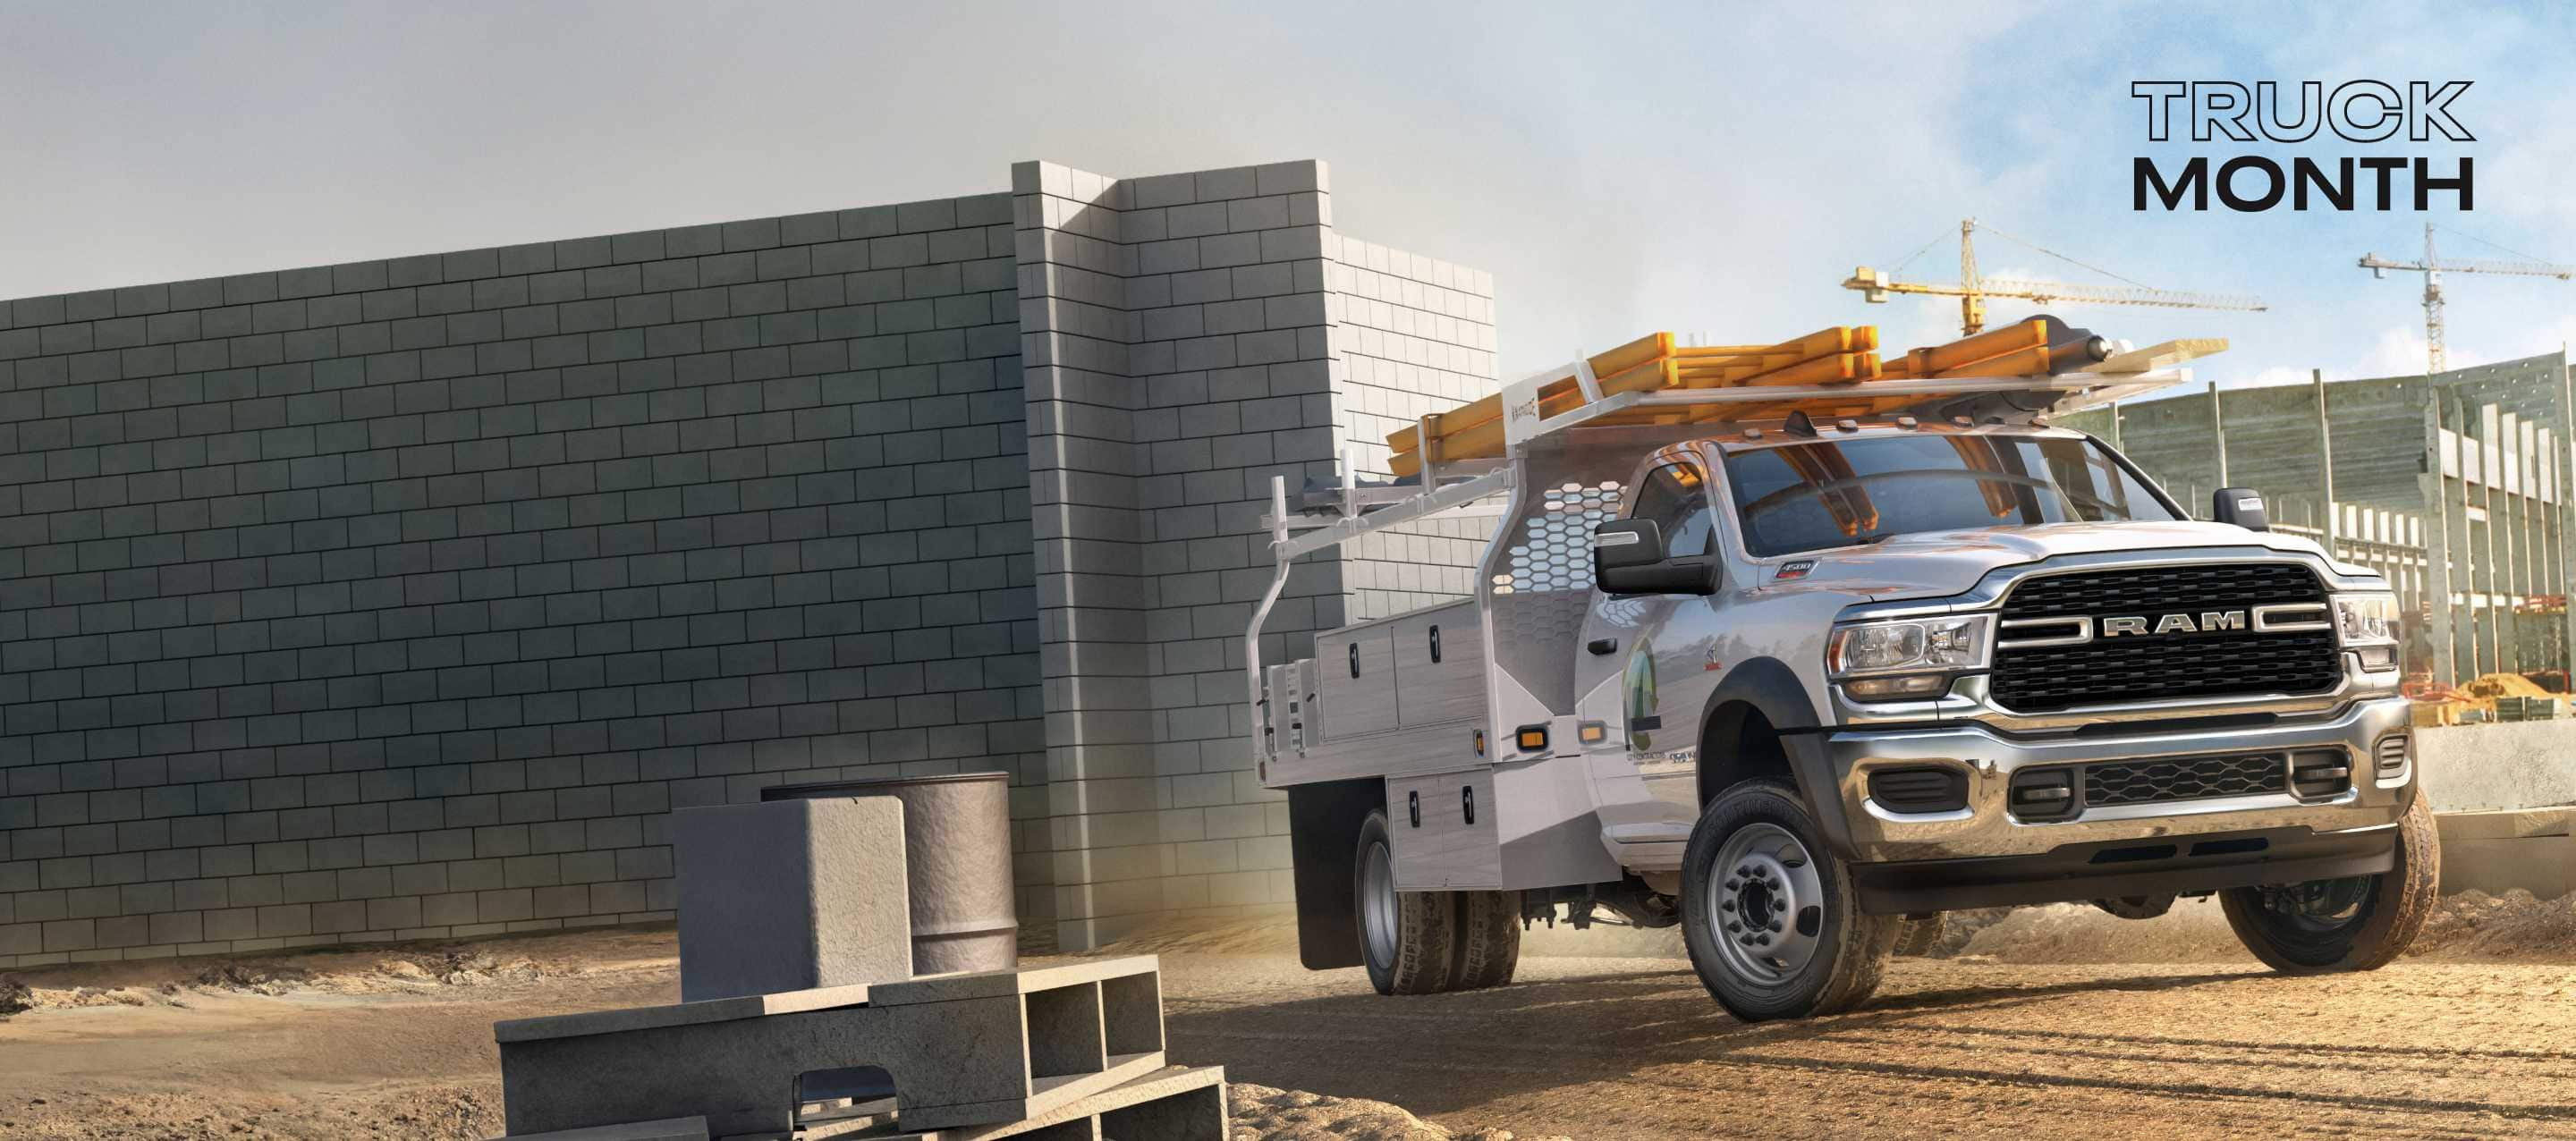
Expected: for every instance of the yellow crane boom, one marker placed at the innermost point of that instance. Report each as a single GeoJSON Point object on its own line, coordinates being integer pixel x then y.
{"type": "Point", "coordinates": [1972, 289]}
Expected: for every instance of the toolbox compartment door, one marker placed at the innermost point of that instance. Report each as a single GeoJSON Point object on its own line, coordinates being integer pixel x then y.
{"type": "Point", "coordinates": [1356, 682]}
{"type": "Point", "coordinates": [1440, 666]}
{"type": "Point", "coordinates": [1442, 831]}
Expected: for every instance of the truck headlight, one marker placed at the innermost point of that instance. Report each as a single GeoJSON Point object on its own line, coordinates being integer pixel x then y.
{"type": "Point", "coordinates": [2367, 624]}
{"type": "Point", "coordinates": [1896, 647]}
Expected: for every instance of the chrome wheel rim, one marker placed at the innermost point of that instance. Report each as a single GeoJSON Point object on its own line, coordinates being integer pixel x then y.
{"type": "Point", "coordinates": [1377, 905]}
{"type": "Point", "coordinates": [1765, 905]}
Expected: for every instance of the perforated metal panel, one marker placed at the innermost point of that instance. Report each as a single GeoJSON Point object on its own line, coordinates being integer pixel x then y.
{"type": "Point", "coordinates": [1546, 582]}
{"type": "Point", "coordinates": [1553, 551]}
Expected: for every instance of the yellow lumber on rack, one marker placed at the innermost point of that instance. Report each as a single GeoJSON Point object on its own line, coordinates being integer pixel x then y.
{"type": "Point", "coordinates": [1484, 439]}
{"type": "Point", "coordinates": [1651, 347]}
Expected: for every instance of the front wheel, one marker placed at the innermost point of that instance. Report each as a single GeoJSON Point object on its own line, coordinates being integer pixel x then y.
{"type": "Point", "coordinates": [1770, 914]}
{"type": "Point", "coordinates": [2357, 923]}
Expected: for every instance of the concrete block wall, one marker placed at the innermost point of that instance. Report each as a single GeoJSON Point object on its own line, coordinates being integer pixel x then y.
{"type": "Point", "coordinates": [405, 598]}
{"type": "Point", "coordinates": [1411, 335]}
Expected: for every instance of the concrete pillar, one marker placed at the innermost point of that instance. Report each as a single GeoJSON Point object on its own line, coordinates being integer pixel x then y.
{"type": "Point", "coordinates": [2218, 431]}
{"type": "Point", "coordinates": [2325, 462]}
{"type": "Point", "coordinates": [2437, 544]}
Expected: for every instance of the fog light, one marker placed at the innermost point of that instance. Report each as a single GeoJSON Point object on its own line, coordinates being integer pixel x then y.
{"type": "Point", "coordinates": [2377, 659]}
{"type": "Point", "coordinates": [1909, 685]}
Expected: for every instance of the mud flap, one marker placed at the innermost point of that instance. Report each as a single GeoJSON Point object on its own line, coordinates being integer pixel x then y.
{"type": "Point", "coordinates": [1323, 837]}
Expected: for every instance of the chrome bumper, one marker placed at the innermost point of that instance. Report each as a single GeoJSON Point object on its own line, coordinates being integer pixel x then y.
{"type": "Point", "coordinates": [1986, 827]}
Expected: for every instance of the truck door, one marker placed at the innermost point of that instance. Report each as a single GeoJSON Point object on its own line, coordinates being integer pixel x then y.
{"type": "Point", "coordinates": [1648, 668]}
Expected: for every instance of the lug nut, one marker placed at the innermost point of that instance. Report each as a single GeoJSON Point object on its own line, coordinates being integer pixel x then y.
{"type": "Point", "coordinates": [1761, 940]}
{"type": "Point", "coordinates": [1775, 926]}
{"type": "Point", "coordinates": [1726, 905]}
{"type": "Point", "coordinates": [1779, 905]}
{"type": "Point", "coordinates": [1735, 926]}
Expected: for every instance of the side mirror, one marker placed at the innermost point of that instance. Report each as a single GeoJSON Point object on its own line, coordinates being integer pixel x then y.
{"type": "Point", "coordinates": [2242, 506]}
{"type": "Point", "coordinates": [1628, 558]}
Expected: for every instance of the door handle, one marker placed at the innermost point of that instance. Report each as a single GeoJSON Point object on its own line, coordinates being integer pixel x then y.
{"type": "Point", "coordinates": [1413, 806]}
{"type": "Point", "coordinates": [1467, 802]}
{"type": "Point", "coordinates": [1603, 645]}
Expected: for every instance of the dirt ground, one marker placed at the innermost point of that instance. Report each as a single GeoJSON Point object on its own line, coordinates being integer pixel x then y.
{"type": "Point", "coordinates": [2050, 1022]}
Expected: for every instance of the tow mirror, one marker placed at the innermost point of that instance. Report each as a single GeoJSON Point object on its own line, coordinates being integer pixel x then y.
{"type": "Point", "coordinates": [1628, 558]}
{"type": "Point", "coordinates": [2242, 506]}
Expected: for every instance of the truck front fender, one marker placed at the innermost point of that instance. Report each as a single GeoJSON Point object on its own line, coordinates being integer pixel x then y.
{"type": "Point", "coordinates": [1767, 687]}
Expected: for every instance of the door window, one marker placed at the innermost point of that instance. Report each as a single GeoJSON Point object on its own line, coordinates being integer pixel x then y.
{"type": "Point", "coordinates": [1675, 496]}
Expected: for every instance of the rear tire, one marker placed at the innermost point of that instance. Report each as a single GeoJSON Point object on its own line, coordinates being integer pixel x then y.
{"type": "Point", "coordinates": [2360, 923]}
{"type": "Point", "coordinates": [1756, 853]}
{"type": "Point", "coordinates": [1916, 938]}
{"type": "Point", "coordinates": [1407, 938]}
{"type": "Point", "coordinates": [1489, 938]}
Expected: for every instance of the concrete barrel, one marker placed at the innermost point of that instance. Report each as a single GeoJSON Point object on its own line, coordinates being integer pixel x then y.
{"type": "Point", "coordinates": [957, 853]}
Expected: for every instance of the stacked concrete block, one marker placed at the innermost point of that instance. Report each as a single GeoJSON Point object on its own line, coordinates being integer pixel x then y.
{"type": "Point", "coordinates": [791, 895]}
{"type": "Point", "coordinates": [964, 1050]}
{"type": "Point", "coordinates": [405, 598]}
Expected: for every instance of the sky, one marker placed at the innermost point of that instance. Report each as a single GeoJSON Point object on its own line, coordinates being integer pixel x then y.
{"type": "Point", "coordinates": [1709, 169]}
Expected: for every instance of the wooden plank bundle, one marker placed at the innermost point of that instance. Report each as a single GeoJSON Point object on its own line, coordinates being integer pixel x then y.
{"type": "Point", "coordinates": [1834, 357]}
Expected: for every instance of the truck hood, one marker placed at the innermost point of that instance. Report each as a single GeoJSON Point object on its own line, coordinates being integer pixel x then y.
{"type": "Point", "coordinates": [1933, 564]}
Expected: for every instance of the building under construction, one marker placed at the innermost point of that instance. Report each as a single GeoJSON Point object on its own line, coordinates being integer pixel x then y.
{"type": "Point", "coordinates": [2449, 484]}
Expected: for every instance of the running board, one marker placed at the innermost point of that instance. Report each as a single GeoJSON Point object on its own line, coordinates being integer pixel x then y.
{"type": "Point", "coordinates": [1647, 847]}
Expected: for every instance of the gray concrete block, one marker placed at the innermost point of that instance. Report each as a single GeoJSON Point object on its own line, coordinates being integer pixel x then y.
{"type": "Point", "coordinates": [1174, 1104]}
{"type": "Point", "coordinates": [1009, 1049]}
{"type": "Point", "coordinates": [791, 895]}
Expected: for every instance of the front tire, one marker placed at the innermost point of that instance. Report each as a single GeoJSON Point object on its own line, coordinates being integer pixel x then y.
{"type": "Point", "coordinates": [2358, 923]}
{"type": "Point", "coordinates": [1407, 938]}
{"type": "Point", "coordinates": [1771, 915]}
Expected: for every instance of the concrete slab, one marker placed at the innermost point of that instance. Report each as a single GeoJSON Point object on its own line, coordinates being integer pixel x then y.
{"type": "Point", "coordinates": [2512, 764]}
{"type": "Point", "coordinates": [791, 895]}
{"type": "Point", "coordinates": [2545, 866]}
{"type": "Point", "coordinates": [975, 1061]}
{"type": "Point", "coordinates": [673, 1129]}
{"type": "Point", "coordinates": [2506, 824]}
{"type": "Point", "coordinates": [677, 1014]}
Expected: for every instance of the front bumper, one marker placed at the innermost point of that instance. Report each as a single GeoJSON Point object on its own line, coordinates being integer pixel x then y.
{"type": "Point", "coordinates": [1987, 827]}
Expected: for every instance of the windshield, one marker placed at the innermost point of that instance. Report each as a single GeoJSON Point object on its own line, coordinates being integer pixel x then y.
{"type": "Point", "coordinates": [1836, 493]}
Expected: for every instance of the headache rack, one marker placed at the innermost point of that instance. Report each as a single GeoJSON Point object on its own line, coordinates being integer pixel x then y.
{"type": "Point", "coordinates": [1651, 392]}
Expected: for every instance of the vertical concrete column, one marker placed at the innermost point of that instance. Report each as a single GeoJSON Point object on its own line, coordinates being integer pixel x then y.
{"type": "Point", "coordinates": [2325, 462]}
{"type": "Point", "coordinates": [1176, 336]}
{"type": "Point", "coordinates": [2559, 457]}
{"type": "Point", "coordinates": [1092, 592]}
{"type": "Point", "coordinates": [2437, 543]}
{"type": "Point", "coordinates": [2218, 431]}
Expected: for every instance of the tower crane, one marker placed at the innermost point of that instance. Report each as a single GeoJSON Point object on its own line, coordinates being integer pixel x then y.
{"type": "Point", "coordinates": [2433, 268]}
{"type": "Point", "coordinates": [1972, 289]}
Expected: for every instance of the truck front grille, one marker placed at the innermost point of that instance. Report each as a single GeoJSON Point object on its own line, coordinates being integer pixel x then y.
{"type": "Point", "coordinates": [2185, 778]}
{"type": "Point", "coordinates": [2163, 667]}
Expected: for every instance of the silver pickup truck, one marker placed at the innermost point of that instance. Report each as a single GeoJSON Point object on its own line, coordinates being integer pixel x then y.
{"type": "Point", "coordinates": [1801, 686]}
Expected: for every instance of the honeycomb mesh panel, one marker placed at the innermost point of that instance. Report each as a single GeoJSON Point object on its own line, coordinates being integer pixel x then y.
{"type": "Point", "coordinates": [1539, 597]}
{"type": "Point", "coordinates": [2185, 778]}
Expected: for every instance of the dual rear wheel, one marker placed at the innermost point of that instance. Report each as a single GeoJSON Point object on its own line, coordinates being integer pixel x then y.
{"type": "Point", "coordinates": [1427, 942]}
